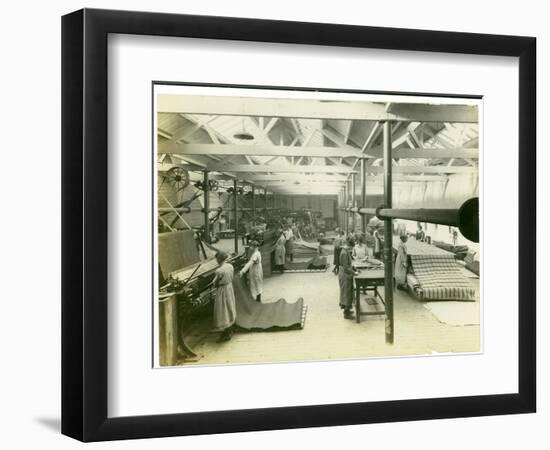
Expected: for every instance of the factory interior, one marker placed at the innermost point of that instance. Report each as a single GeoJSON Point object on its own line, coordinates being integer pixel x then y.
{"type": "Point", "coordinates": [299, 229]}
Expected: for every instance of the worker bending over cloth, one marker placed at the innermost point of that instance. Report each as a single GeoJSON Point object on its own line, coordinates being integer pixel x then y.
{"type": "Point", "coordinates": [255, 271]}
{"type": "Point", "coordinates": [225, 311]}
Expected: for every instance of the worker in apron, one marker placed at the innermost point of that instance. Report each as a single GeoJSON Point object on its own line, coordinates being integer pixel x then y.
{"type": "Point", "coordinates": [280, 252]}
{"type": "Point", "coordinates": [420, 235]}
{"type": "Point", "coordinates": [225, 311]}
{"type": "Point", "coordinates": [255, 271]}
{"type": "Point", "coordinates": [401, 263]}
{"type": "Point", "coordinates": [378, 243]}
{"type": "Point", "coordinates": [289, 244]}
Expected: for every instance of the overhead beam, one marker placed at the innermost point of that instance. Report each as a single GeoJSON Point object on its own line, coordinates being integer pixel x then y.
{"type": "Point", "coordinates": [304, 183]}
{"type": "Point", "coordinates": [307, 191]}
{"type": "Point", "coordinates": [298, 177]}
{"type": "Point", "coordinates": [257, 150]}
{"type": "Point", "coordinates": [427, 152]}
{"type": "Point", "coordinates": [424, 169]}
{"type": "Point", "coordinates": [164, 134]}
{"type": "Point", "coordinates": [313, 152]}
{"type": "Point", "coordinates": [348, 131]}
{"type": "Point", "coordinates": [314, 109]}
{"type": "Point", "coordinates": [261, 168]}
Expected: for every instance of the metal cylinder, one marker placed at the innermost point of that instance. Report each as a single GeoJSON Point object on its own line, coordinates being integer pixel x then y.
{"type": "Point", "coordinates": [466, 218]}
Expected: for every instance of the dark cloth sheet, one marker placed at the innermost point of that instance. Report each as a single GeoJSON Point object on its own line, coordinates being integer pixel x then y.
{"type": "Point", "coordinates": [256, 316]}
{"type": "Point", "coordinates": [303, 249]}
{"type": "Point", "coordinates": [315, 263]}
{"type": "Point", "coordinates": [176, 250]}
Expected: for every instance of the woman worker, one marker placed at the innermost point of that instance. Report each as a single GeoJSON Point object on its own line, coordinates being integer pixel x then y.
{"type": "Point", "coordinates": [255, 271]}
{"type": "Point", "coordinates": [378, 243]}
{"type": "Point", "coordinates": [345, 279]}
{"type": "Point", "coordinates": [401, 263]}
{"type": "Point", "coordinates": [225, 311]}
{"type": "Point", "coordinates": [419, 235]}
{"type": "Point", "coordinates": [360, 251]}
{"type": "Point", "coordinates": [289, 236]}
{"type": "Point", "coordinates": [280, 251]}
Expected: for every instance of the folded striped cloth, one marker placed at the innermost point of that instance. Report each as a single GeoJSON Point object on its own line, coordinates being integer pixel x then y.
{"type": "Point", "coordinates": [440, 278]}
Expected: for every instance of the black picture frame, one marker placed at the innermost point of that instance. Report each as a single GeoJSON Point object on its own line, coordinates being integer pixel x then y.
{"type": "Point", "coordinates": [84, 224]}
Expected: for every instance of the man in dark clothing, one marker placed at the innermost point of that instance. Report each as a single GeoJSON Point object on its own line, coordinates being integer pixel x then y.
{"type": "Point", "coordinates": [338, 243]}
{"type": "Point", "coordinates": [345, 279]}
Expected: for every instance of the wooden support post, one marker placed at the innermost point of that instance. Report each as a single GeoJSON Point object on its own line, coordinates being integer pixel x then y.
{"type": "Point", "coordinates": [353, 205]}
{"type": "Point", "coordinates": [346, 223]}
{"type": "Point", "coordinates": [236, 212]}
{"type": "Point", "coordinates": [363, 195]}
{"type": "Point", "coordinates": [206, 186]}
{"type": "Point", "coordinates": [253, 206]}
{"type": "Point", "coordinates": [388, 234]}
{"type": "Point", "coordinates": [337, 212]}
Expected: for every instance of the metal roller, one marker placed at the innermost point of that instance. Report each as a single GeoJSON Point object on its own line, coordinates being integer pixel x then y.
{"type": "Point", "coordinates": [466, 218]}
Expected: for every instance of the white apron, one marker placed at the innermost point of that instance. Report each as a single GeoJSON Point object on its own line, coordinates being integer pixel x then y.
{"type": "Point", "coordinates": [255, 273]}
{"type": "Point", "coordinates": [225, 311]}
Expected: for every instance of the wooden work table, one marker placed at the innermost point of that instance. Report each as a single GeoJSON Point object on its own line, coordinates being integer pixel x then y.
{"type": "Point", "coordinates": [368, 280]}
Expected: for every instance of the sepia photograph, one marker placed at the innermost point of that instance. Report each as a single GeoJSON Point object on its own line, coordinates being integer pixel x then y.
{"type": "Point", "coordinates": [307, 225]}
{"type": "Point", "coordinates": [296, 221]}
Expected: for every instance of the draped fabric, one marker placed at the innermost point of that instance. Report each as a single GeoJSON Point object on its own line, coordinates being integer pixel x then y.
{"type": "Point", "coordinates": [272, 316]}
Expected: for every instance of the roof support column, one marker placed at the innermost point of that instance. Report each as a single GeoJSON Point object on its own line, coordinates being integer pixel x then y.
{"type": "Point", "coordinates": [353, 205]}
{"type": "Point", "coordinates": [363, 195]}
{"type": "Point", "coordinates": [388, 234]}
{"type": "Point", "coordinates": [253, 206]}
{"type": "Point", "coordinates": [206, 187]}
{"type": "Point", "coordinates": [235, 214]}
{"type": "Point", "coordinates": [346, 222]}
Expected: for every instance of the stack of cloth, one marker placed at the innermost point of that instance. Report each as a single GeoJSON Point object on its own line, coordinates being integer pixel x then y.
{"type": "Point", "coordinates": [438, 277]}
{"type": "Point", "coordinates": [303, 249]}
{"type": "Point", "coordinates": [460, 251]}
{"type": "Point", "coordinates": [315, 264]}
{"type": "Point", "coordinates": [472, 262]}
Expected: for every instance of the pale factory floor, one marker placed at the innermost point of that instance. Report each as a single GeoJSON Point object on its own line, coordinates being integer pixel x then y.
{"type": "Point", "coordinates": [420, 327]}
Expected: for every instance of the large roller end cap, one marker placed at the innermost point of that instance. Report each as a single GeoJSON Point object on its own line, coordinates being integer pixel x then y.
{"type": "Point", "coordinates": [468, 219]}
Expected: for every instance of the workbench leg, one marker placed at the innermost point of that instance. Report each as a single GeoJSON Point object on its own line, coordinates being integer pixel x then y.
{"type": "Point", "coordinates": [357, 305]}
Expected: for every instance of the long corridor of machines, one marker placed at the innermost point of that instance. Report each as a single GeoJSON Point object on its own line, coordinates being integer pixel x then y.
{"type": "Point", "coordinates": [295, 229]}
